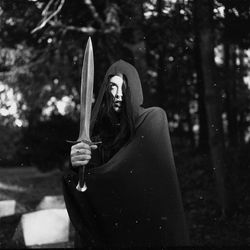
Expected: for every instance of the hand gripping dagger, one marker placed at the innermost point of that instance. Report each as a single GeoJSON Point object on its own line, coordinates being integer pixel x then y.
{"type": "Point", "coordinates": [87, 81]}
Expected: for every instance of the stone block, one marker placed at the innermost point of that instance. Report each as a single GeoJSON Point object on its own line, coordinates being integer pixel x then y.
{"type": "Point", "coordinates": [48, 226]}
{"type": "Point", "coordinates": [49, 202]}
{"type": "Point", "coordinates": [7, 207]}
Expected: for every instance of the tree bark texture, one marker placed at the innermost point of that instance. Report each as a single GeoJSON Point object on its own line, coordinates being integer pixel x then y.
{"type": "Point", "coordinates": [203, 144]}
{"type": "Point", "coordinates": [230, 86]}
{"type": "Point", "coordinates": [139, 48]}
{"type": "Point", "coordinates": [204, 12]}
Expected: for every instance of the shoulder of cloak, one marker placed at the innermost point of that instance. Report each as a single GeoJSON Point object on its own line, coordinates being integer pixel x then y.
{"type": "Point", "coordinates": [152, 119]}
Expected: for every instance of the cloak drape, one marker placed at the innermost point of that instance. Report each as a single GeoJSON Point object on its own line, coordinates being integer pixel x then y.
{"type": "Point", "coordinates": [133, 200]}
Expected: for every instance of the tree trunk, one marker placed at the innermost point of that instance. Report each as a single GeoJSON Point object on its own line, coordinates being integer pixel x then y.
{"type": "Point", "coordinates": [161, 60]}
{"type": "Point", "coordinates": [160, 77]}
{"type": "Point", "coordinates": [204, 12]}
{"type": "Point", "coordinates": [203, 128]}
{"type": "Point", "coordinates": [138, 48]}
{"type": "Point", "coordinates": [230, 87]}
{"type": "Point", "coordinates": [203, 144]}
{"type": "Point", "coordinates": [242, 116]}
{"type": "Point", "coordinates": [190, 128]}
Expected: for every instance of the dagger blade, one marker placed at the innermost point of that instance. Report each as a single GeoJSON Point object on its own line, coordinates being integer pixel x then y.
{"type": "Point", "coordinates": [87, 81]}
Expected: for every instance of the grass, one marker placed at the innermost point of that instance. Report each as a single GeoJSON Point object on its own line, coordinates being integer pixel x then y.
{"type": "Point", "coordinates": [28, 186]}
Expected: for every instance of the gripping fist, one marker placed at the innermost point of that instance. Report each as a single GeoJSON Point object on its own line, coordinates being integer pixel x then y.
{"type": "Point", "coordinates": [81, 154]}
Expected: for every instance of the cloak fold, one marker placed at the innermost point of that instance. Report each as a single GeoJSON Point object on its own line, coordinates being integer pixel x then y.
{"type": "Point", "coordinates": [134, 199]}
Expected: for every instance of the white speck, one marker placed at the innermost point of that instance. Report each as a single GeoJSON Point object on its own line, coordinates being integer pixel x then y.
{"type": "Point", "coordinates": [56, 81]}
{"type": "Point", "coordinates": [171, 59]}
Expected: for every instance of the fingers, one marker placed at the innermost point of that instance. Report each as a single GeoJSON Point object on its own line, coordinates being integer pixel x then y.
{"type": "Point", "coordinates": [81, 145]}
{"type": "Point", "coordinates": [79, 163]}
{"type": "Point", "coordinates": [80, 160]}
{"type": "Point", "coordinates": [80, 157]}
{"type": "Point", "coordinates": [80, 151]}
{"type": "Point", "coordinates": [81, 154]}
{"type": "Point", "coordinates": [80, 148]}
{"type": "Point", "coordinates": [93, 147]}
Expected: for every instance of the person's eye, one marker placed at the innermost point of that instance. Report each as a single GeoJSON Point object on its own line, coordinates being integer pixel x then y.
{"type": "Point", "coordinates": [113, 87]}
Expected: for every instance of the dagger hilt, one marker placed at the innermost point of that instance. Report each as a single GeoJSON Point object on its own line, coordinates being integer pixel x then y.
{"type": "Point", "coordinates": [81, 185]}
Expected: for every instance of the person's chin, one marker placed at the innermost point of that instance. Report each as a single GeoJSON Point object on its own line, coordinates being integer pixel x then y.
{"type": "Point", "coordinates": [117, 108]}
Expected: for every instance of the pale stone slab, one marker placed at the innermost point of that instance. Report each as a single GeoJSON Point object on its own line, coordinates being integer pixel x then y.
{"type": "Point", "coordinates": [45, 227]}
{"type": "Point", "coordinates": [7, 207]}
{"type": "Point", "coordinates": [49, 202]}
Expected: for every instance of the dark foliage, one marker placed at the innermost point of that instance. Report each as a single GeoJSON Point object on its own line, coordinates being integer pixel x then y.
{"type": "Point", "coordinates": [44, 145]}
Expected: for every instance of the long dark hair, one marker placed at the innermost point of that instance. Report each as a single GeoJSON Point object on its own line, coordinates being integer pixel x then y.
{"type": "Point", "coordinates": [107, 117]}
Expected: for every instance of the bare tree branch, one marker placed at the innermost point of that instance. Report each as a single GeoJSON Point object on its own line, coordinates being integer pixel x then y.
{"type": "Point", "coordinates": [94, 12]}
{"type": "Point", "coordinates": [44, 13]}
{"type": "Point", "coordinates": [88, 29]}
{"type": "Point", "coordinates": [110, 25]}
{"type": "Point", "coordinates": [47, 19]}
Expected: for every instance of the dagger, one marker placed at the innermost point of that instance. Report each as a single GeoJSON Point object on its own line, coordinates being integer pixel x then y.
{"type": "Point", "coordinates": [87, 81]}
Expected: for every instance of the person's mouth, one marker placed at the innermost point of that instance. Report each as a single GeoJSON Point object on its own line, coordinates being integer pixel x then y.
{"type": "Point", "coordinates": [118, 104]}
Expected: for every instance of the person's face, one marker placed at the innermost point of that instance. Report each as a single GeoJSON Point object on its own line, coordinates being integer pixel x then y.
{"type": "Point", "coordinates": [116, 84]}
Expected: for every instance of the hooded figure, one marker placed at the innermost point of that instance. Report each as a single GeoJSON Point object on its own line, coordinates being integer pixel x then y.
{"type": "Point", "coordinates": [133, 197]}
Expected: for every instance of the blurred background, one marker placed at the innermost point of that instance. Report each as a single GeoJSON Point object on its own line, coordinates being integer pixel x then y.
{"type": "Point", "coordinates": [193, 60]}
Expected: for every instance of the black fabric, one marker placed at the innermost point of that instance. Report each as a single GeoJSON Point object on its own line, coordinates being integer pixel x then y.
{"type": "Point", "coordinates": [132, 200]}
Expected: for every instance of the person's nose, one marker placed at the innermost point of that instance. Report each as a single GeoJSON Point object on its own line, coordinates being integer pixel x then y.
{"type": "Point", "coordinates": [119, 94]}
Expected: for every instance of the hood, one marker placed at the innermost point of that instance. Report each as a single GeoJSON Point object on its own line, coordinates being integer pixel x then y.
{"type": "Point", "coordinates": [134, 94]}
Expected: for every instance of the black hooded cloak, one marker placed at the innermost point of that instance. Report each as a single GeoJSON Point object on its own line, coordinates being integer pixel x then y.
{"type": "Point", "coordinates": [133, 200]}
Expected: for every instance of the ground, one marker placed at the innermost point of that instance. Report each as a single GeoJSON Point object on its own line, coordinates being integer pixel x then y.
{"type": "Point", "coordinates": [27, 186]}
{"type": "Point", "coordinates": [207, 226]}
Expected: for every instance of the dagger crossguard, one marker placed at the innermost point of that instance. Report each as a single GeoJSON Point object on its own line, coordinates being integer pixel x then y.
{"type": "Point", "coordinates": [85, 141]}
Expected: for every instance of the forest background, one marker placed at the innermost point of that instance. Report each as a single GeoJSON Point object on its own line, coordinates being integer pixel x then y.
{"type": "Point", "coordinates": [193, 60]}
